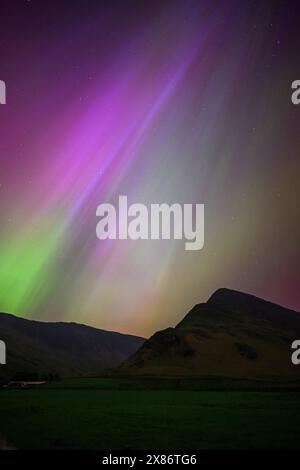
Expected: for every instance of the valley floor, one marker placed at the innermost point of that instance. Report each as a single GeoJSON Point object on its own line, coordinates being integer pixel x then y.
{"type": "Point", "coordinates": [76, 417]}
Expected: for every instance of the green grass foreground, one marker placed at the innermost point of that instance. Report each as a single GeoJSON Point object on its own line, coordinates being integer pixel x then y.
{"type": "Point", "coordinates": [91, 418]}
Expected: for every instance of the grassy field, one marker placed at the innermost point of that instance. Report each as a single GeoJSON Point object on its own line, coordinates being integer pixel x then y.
{"type": "Point", "coordinates": [84, 416]}
{"type": "Point", "coordinates": [154, 383]}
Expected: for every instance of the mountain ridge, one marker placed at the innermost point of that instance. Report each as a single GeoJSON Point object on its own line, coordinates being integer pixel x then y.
{"type": "Point", "coordinates": [61, 348]}
{"type": "Point", "coordinates": [234, 335]}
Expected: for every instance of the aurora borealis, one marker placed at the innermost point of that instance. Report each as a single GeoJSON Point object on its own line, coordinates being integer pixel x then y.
{"type": "Point", "coordinates": [169, 101]}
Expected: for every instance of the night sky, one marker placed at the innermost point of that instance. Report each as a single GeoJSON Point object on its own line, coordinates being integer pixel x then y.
{"type": "Point", "coordinates": [162, 101]}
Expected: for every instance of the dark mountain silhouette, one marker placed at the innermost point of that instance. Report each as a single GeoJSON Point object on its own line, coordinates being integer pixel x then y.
{"type": "Point", "coordinates": [233, 335]}
{"type": "Point", "coordinates": [66, 349]}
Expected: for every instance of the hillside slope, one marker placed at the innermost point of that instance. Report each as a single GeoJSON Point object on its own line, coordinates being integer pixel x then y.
{"type": "Point", "coordinates": [232, 335]}
{"type": "Point", "coordinates": [67, 349]}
